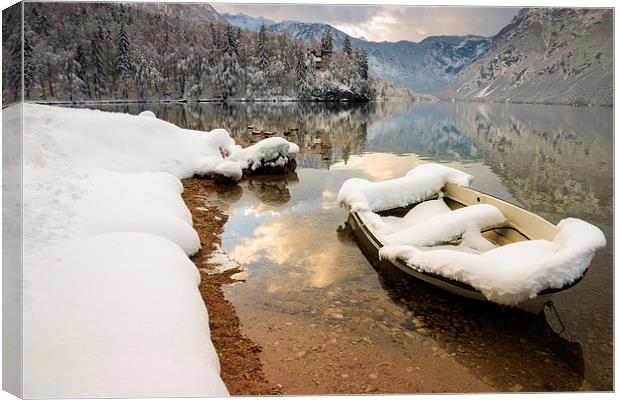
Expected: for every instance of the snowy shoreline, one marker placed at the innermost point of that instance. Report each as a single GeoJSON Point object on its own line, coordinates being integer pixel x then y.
{"type": "Point", "coordinates": [111, 300]}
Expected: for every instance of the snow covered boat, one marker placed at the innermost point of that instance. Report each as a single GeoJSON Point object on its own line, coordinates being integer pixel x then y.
{"type": "Point", "coordinates": [431, 225]}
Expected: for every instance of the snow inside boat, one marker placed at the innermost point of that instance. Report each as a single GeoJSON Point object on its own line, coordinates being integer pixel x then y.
{"type": "Point", "coordinates": [433, 226]}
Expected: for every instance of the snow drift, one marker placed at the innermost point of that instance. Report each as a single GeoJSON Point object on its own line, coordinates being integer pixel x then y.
{"type": "Point", "coordinates": [435, 239]}
{"type": "Point", "coordinates": [111, 306]}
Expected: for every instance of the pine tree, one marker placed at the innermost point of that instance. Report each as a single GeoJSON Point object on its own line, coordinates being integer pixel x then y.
{"type": "Point", "coordinates": [182, 74]}
{"type": "Point", "coordinates": [242, 55]}
{"type": "Point", "coordinates": [228, 75]}
{"type": "Point", "coordinates": [215, 37]}
{"type": "Point", "coordinates": [123, 60]}
{"type": "Point", "coordinates": [81, 68]}
{"type": "Point", "coordinates": [15, 65]}
{"type": "Point", "coordinates": [327, 42]}
{"type": "Point", "coordinates": [97, 62]}
{"type": "Point", "coordinates": [68, 74]}
{"type": "Point", "coordinates": [42, 24]}
{"type": "Point", "coordinates": [142, 78]}
{"type": "Point", "coordinates": [29, 65]}
{"type": "Point", "coordinates": [300, 68]}
{"type": "Point", "coordinates": [361, 59]}
{"type": "Point", "coordinates": [346, 46]}
{"type": "Point", "coordinates": [261, 51]}
{"type": "Point", "coordinates": [232, 44]}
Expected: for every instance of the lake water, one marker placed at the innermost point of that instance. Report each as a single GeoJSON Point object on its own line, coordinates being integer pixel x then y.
{"type": "Point", "coordinates": [331, 321]}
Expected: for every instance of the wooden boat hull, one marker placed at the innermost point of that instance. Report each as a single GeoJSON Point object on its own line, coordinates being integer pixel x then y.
{"type": "Point", "coordinates": [371, 243]}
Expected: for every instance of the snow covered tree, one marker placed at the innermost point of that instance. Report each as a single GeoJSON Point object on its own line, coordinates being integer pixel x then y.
{"type": "Point", "coordinates": [261, 51]}
{"type": "Point", "coordinates": [300, 68]}
{"type": "Point", "coordinates": [15, 65]}
{"type": "Point", "coordinates": [28, 58]}
{"type": "Point", "coordinates": [42, 24]}
{"type": "Point", "coordinates": [123, 60]}
{"type": "Point", "coordinates": [142, 78]}
{"type": "Point", "coordinates": [215, 35]}
{"type": "Point", "coordinates": [81, 68]}
{"type": "Point", "coordinates": [21, 67]}
{"type": "Point", "coordinates": [69, 79]}
{"type": "Point", "coordinates": [327, 41]}
{"type": "Point", "coordinates": [346, 46]}
{"type": "Point", "coordinates": [97, 65]}
{"type": "Point", "coordinates": [228, 75]}
{"type": "Point", "coordinates": [232, 45]}
{"type": "Point", "coordinates": [361, 59]}
{"type": "Point", "coordinates": [39, 22]}
{"type": "Point", "coordinates": [182, 74]}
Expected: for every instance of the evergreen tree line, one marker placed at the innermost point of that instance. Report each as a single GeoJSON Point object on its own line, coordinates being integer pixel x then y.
{"type": "Point", "coordinates": [114, 51]}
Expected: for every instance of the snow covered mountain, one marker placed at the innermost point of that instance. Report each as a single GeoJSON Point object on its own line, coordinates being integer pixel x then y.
{"type": "Point", "coordinates": [427, 66]}
{"type": "Point", "coordinates": [196, 12]}
{"type": "Point", "coordinates": [246, 22]}
{"type": "Point", "coordinates": [553, 55]}
{"type": "Point", "coordinates": [308, 31]}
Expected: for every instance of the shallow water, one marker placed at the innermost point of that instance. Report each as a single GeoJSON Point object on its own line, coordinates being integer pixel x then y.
{"type": "Point", "coordinates": [332, 321]}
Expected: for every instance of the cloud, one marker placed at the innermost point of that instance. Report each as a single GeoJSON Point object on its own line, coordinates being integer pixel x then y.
{"type": "Point", "coordinates": [303, 252]}
{"type": "Point", "coordinates": [389, 23]}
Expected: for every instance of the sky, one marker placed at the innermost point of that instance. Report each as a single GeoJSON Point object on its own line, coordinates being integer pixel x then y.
{"type": "Point", "coordinates": [385, 22]}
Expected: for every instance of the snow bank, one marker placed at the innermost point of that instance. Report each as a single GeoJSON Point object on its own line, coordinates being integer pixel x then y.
{"type": "Point", "coordinates": [111, 306]}
{"type": "Point", "coordinates": [116, 315]}
{"type": "Point", "coordinates": [421, 183]}
{"type": "Point", "coordinates": [128, 143]}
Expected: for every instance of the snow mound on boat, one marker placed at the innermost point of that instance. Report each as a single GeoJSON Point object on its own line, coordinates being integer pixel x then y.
{"type": "Point", "coordinates": [514, 272]}
{"type": "Point", "coordinates": [433, 224]}
{"type": "Point", "coordinates": [448, 226]}
{"type": "Point", "coordinates": [421, 183]}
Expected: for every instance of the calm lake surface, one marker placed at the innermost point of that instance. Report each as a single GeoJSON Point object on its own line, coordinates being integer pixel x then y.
{"type": "Point", "coordinates": [331, 322]}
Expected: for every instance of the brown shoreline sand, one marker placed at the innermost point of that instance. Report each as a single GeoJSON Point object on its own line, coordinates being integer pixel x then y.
{"type": "Point", "coordinates": [241, 367]}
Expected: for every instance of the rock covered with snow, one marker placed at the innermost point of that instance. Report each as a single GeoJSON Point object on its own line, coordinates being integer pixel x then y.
{"type": "Point", "coordinates": [147, 114]}
{"type": "Point", "coordinates": [421, 183]}
{"type": "Point", "coordinates": [112, 307]}
{"type": "Point", "coordinates": [274, 151]}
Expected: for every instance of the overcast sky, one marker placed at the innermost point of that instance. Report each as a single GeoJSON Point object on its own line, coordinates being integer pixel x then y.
{"type": "Point", "coordinates": [391, 23]}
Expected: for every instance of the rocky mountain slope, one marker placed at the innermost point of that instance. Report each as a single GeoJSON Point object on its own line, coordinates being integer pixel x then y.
{"type": "Point", "coordinates": [201, 13]}
{"type": "Point", "coordinates": [426, 66]}
{"type": "Point", "coordinates": [246, 22]}
{"type": "Point", "coordinates": [308, 31]}
{"type": "Point", "coordinates": [555, 56]}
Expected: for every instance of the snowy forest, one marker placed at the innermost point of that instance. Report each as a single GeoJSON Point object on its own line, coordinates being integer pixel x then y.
{"type": "Point", "coordinates": [76, 52]}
